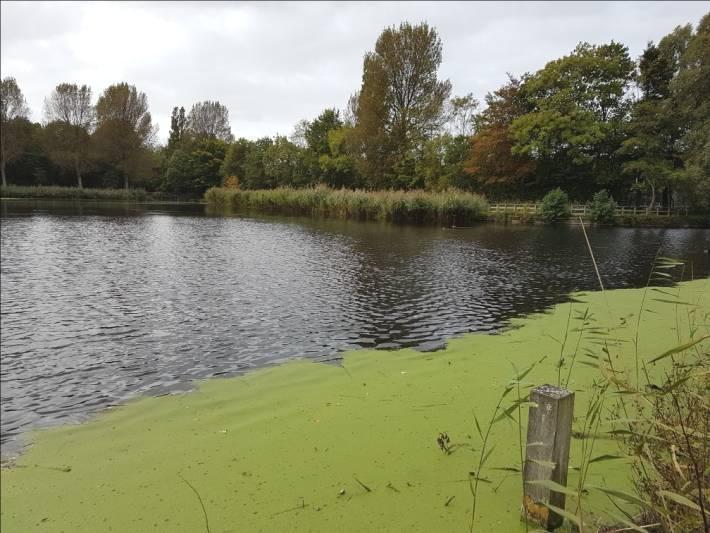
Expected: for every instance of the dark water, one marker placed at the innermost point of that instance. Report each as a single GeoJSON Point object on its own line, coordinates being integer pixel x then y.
{"type": "Point", "coordinates": [102, 302]}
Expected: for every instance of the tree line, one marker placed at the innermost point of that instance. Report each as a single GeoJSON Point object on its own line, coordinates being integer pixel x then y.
{"type": "Point", "coordinates": [593, 119]}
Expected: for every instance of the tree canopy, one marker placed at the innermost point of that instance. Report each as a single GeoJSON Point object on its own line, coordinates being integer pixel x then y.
{"type": "Point", "coordinates": [595, 119]}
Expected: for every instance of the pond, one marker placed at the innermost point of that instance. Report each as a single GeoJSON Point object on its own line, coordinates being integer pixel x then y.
{"type": "Point", "coordinates": [101, 302]}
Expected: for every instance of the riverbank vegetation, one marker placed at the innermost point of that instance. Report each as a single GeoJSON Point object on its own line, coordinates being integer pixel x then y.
{"type": "Point", "coordinates": [73, 193]}
{"type": "Point", "coordinates": [296, 446]}
{"type": "Point", "coordinates": [591, 120]}
{"type": "Point", "coordinates": [450, 208]}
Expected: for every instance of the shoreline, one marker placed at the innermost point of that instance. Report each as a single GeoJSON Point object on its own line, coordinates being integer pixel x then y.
{"type": "Point", "coordinates": [417, 208]}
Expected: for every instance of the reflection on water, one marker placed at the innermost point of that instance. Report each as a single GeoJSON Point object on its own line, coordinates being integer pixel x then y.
{"type": "Point", "coordinates": [100, 302]}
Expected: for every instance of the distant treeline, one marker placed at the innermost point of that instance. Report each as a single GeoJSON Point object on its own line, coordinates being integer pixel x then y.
{"type": "Point", "coordinates": [594, 119]}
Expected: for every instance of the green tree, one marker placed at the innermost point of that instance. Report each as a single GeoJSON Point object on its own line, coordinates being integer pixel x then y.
{"type": "Point", "coordinates": [255, 176]}
{"type": "Point", "coordinates": [13, 119]}
{"type": "Point", "coordinates": [337, 168]}
{"type": "Point", "coordinates": [284, 163]}
{"type": "Point", "coordinates": [233, 164]}
{"type": "Point", "coordinates": [178, 128]}
{"type": "Point", "coordinates": [33, 166]}
{"type": "Point", "coordinates": [652, 146]}
{"type": "Point", "coordinates": [579, 104]}
{"type": "Point", "coordinates": [195, 167]}
{"type": "Point", "coordinates": [400, 103]}
{"type": "Point", "coordinates": [442, 163]}
{"type": "Point", "coordinates": [124, 131]}
{"type": "Point", "coordinates": [316, 132]}
{"type": "Point", "coordinates": [691, 91]}
{"type": "Point", "coordinates": [70, 117]}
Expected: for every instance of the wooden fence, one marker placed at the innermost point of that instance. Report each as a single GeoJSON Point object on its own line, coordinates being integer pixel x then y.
{"type": "Point", "coordinates": [584, 210]}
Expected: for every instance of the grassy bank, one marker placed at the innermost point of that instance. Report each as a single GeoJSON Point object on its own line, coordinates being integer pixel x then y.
{"type": "Point", "coordinates": [73, 193]}
{"type": "Point", "coordinates": [449, 208]}
{"type": "Point", "coordinates": [315, 447]}
{"type": "Point", "coordinates": [630, 221]}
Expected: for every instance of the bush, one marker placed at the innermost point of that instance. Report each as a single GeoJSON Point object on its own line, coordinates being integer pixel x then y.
{"type": "Point", "coordinates": [603, 207]}
{"type": "Point", "coordinates": [555, 206]}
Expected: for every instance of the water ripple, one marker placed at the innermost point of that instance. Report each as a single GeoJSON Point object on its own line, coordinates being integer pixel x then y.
{"type": "Point", "coordinates": [99, 304]}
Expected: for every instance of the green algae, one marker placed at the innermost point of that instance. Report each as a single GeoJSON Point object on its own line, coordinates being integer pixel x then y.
{"type": "Point", "coordinates": [295, 447]}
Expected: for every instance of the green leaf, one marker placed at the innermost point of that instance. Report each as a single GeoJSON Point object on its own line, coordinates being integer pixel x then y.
{"type": "Point", "coordinates": [606, 457]}
{"type": "Point", "coordinates": [507, 413]}
{"type": "Point", "coordinates": [526, 372]}
{"type": "Point", "coordinates": [488, 453]}
{"type": "Point", "coordinates": [673, 302]}
{"type": "Point", "coordinates": [679, 499]}
{"type": "Point", "coordinates": [679, 349]}
{"type": "Point", "coordinates": [553, 486]}
{"type": "Point", "coordinates": [566, 514]}
{"type": "Point", "coordinates": [631, 498]}
{"type": "Point", "coordinates": [478, 426]}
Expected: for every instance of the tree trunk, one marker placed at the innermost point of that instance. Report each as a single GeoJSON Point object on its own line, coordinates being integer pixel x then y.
{"type": "Point", "coordinates": [78, 173]}
{"type": "Point", "coordinates": [2, 170]}
{"type": "Point", "coordinates": [653, 199]}
{"type": "Point", "coordinates": [125, 181]}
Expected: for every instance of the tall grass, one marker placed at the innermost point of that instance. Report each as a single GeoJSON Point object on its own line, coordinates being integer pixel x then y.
{"type": "Point", "coordinates": [662, 425]}
{"type": "Point", "coordinates": [457, 208]}
{"type": "Point", "coordinates": [72, 193]}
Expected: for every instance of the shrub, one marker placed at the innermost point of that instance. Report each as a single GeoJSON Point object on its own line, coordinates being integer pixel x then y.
{"type": "Point", "coordinates": [603, 207]}
{"type": "Point", "coordinates": [230, 182]}
{"type": "Point", "coordinates": [555, 206]}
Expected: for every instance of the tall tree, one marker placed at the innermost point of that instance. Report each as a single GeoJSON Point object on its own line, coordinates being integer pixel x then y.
{"type": "Point", "coordinates": [579, 104]}
{"type": "Point", "coordinates": [124, 129]}
{"type": "Point", "coordinates": [210, 120]}
{"type": "Point", "coordinates": [70, 117]}
{"type": "Point", "coordinates": [490, 162]}
{"type": "Point", "coordinates": [13, 118]}
{"type": "Point", "coordinates": [651, 146]}
{"type": "Point", "coordinates": [460, 114]}
{"type": "Point", "coordinates": [298, 136]}
{"type": "Point", "coordinates": [400, 102]}
{"type": "Point", "coordinates": [178, 126]}
{"type": "Point", "coordinates": [691, 91]}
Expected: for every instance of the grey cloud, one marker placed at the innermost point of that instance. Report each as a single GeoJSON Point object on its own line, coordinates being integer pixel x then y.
{"type": "Point", "coordinates": [275, 63]}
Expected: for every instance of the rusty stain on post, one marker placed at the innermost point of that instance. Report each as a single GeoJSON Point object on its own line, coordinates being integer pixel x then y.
{"type": "Point", "coordinates": [547, 452]}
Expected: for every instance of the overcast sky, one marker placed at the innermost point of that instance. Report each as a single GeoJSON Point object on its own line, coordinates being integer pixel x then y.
{"type": "Point", "coordinates": [274, 63]}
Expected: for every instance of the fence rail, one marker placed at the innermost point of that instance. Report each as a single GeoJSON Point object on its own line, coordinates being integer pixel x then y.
{"type": "Point", "coordinates": [584, 210]}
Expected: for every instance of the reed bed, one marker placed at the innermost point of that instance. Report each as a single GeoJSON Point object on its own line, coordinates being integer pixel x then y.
{"type": "Point", "coordinates": [452, 208]}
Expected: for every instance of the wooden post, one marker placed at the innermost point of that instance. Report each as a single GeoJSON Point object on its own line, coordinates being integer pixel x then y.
{"type": "Point", "coordinates": [547, 452]}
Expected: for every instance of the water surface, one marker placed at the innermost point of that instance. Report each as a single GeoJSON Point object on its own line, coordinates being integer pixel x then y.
{"type": "Point", "coordinates": [101, 302]}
